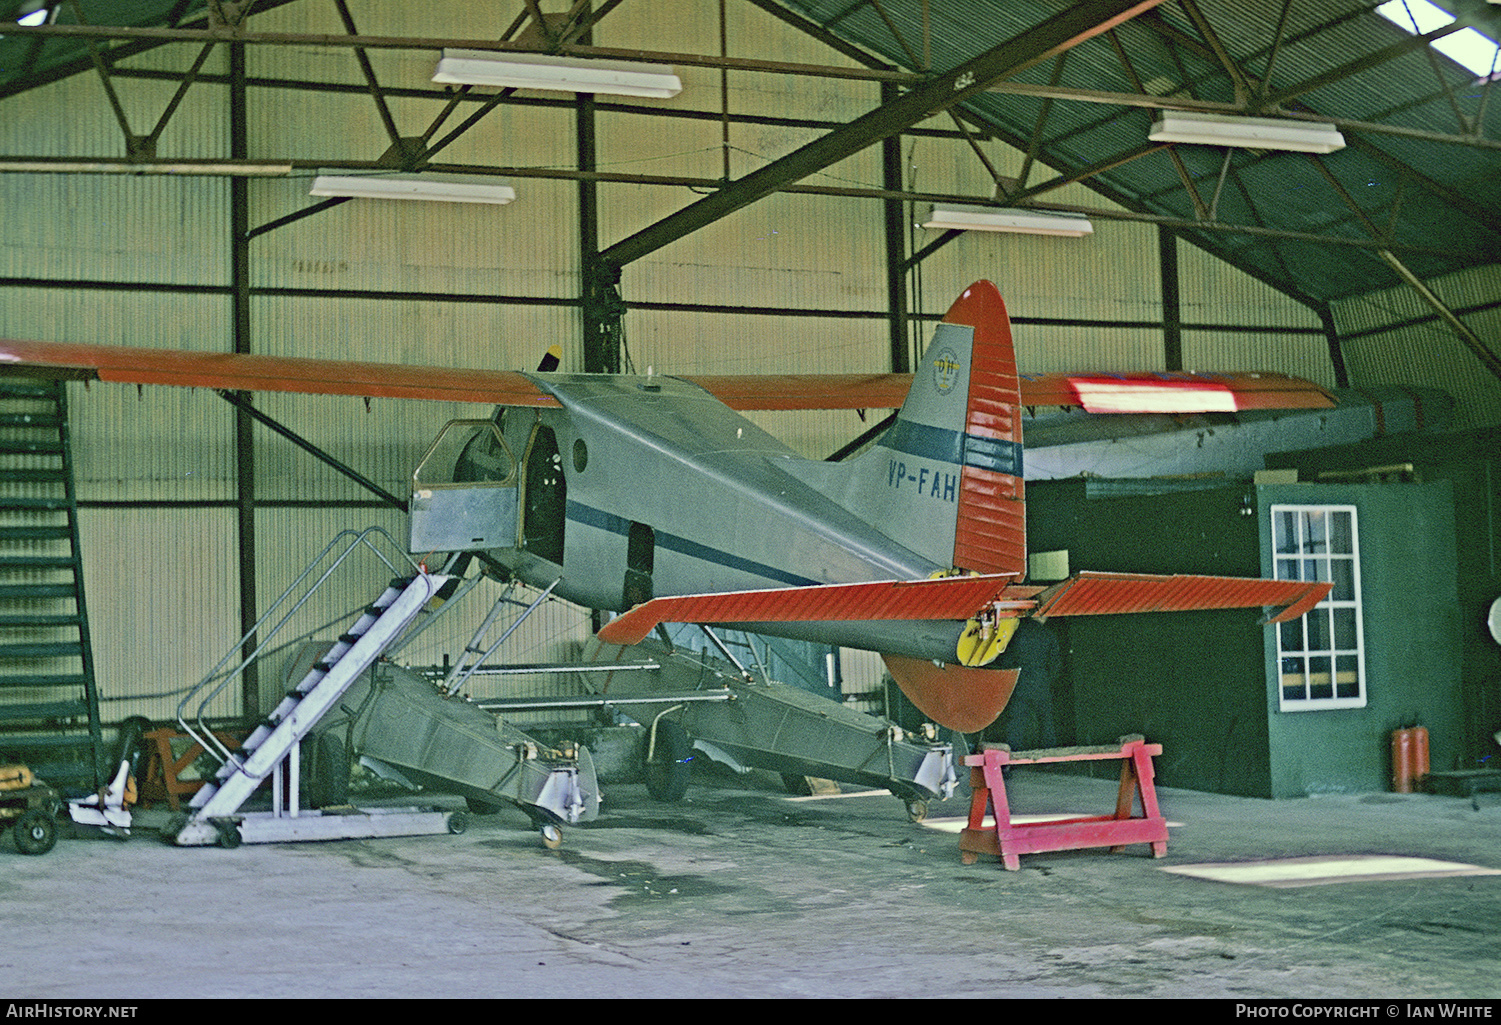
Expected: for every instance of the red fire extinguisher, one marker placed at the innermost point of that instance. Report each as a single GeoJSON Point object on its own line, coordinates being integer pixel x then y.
{"type": "Point", "coordinates": [1409, 757]}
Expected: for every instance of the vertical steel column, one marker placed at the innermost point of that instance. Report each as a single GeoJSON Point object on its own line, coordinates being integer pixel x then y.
{"type": "Point", "coordinates": [1336, 352]}
{"type": "Point", "coordinates": [239, 271]}
{"type": "Point", "coordinates": [602, 308]}
{"type": "Point", "coordinates": [1172, 300]}
{"type": "Point", "coordinates": [896, 244]}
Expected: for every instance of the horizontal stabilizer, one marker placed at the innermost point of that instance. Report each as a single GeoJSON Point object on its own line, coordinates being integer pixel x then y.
{"type": "Point", "coordinates": [1095, 594]}
{"type": "Point", "coordinates": [947, 598]}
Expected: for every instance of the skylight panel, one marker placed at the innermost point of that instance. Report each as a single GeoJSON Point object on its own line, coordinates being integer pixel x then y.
{"type": "Point", "coordinates": [1467, 47]}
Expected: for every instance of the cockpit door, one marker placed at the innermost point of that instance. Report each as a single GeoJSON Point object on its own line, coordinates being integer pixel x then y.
{"type": "Point", "coordinates": [464, 492]}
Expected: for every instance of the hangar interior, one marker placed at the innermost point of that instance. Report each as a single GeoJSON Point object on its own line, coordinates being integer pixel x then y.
{"type": "Point", "coordinates": [159, 162]}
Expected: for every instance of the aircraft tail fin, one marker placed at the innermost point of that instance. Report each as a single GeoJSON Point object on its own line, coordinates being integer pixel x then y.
{"type": "Point", "coordinates": [945, 479]}
{"type": "Point", "coordinates": [990, 531]}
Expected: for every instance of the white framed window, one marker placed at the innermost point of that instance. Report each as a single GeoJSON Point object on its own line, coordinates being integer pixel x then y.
{"type": "Point", "coordinates": [1321, 657]}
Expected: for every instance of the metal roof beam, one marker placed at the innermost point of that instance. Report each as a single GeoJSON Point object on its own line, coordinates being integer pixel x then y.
{"type": "Point", "coordinates": [150, 36]}
{"type": "Point", "coordinates": [1365, 63]}
{"type": "Point", "coordinates": [1081, 22]}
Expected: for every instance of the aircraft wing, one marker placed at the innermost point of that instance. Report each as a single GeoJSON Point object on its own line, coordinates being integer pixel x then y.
{"type": "Point", "coordinates": [1098, 393]}
{"type": "Point", "coordinates": [236, 372]}
{"type": "Point", "coordinates": [1143, 392]}
{"type": "Point", "coordinates": [956, 598]}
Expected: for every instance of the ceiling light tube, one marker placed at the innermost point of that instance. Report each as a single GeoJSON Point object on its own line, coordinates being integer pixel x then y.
{"type": "Point", "coordinates": [442, 188]}
{"type": "Point", "coordinates": [1247, 132]}
{"type": "Point", "coordinates": [556, 74]}
{"type": "Point", "coordinates": [990, 218]}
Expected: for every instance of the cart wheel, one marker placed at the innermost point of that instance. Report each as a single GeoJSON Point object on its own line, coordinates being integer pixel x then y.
{"type": "Point", "coordinates": [36, 831]}
{"type": "Point", "coordinates": [917, 810]}
{"type": "Point", "coordinates": [229, 833]}
{"type": "Point", "coordinates": [667, 773]}
{"type": "Point", "coordinates": [458, 822]}
{"type": "Point", "coordinates": [552, 836]}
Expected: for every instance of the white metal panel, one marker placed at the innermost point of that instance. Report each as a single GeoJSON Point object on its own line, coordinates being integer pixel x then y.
{"type": "Point", "coordinates": [1214, 292]}
{"type": "Point", "coordinates": [1424, 351]}
{"type": "Point", "coordinates": [162, 587]}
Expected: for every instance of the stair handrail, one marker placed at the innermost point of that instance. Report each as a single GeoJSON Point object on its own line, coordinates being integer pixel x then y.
{"type": "Point", "coordinates": [204, 734]}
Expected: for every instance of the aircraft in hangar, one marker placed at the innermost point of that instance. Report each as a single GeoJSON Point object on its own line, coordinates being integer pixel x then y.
{"type": "Point", "coordinates": [653, 497]}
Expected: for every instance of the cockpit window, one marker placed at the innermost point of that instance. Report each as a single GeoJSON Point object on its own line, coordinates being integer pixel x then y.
{"type": "Point", "coordinates": [467, 452]}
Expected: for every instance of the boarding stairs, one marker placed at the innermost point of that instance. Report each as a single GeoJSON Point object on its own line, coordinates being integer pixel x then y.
{"type": "Point", "coordinates": [272, 750]}
{"type": "Point", "coordinates": [49, 705]}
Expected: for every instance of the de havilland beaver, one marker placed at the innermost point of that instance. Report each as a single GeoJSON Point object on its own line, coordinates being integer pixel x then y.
{"type": "Point", "coordinates": [653, 497]}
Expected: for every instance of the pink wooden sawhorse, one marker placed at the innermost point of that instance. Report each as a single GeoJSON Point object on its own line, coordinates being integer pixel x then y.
{"type": "Point", "coordinates": [1008, 840]}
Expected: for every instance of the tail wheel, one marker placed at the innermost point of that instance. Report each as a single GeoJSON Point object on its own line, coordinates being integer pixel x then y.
{"type": "Point", "coordinates": [668, 767]}
{"type": "Point", "coordinates": [36, 831]}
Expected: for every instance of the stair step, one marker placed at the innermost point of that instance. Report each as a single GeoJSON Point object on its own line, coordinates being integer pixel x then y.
{"type": "Point", "coordinates": [43, 680]}
{"type": "Point", "coordinates": [50, 420]}
{"type": "Point", "coordinates": [22, 387]}
{"type": "Point", "coordinates": [37, 533]}
{"type": "Point", "coordinates": [27, 447]}
{"type": "Point", "coordinates": [49, 649]}
{"type": "Point", "coordinates": [34, 475]}
{"type": "Point", "coordinates": [18, 504]}
{"type": "Point", "coordinates": [37, 741]}
{"type": "Point", "coordinates": [38, 591]}
{"type": "Point", "coordinates": [50, 619]}
{"type": "Point", "coordinates": [44, 710]}
{"type": "Point", "coordinates": [37, 562]}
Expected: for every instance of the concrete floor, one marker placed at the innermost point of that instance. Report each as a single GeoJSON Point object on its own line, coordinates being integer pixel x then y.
{"type": "Point", "coordinates": [740, 891]}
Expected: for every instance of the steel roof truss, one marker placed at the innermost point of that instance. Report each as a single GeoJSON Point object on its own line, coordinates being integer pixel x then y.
{"type": "Point", "coordinates": [1035, 141]}
{"type": "Point", "coordinates": [1200, 210]}
{"type": "Point", "coordinates": [1212, 40]}
{"type": "Point", "coordinates": [371, 84]}
{"type": "Point", "coordinates": [1075, 25]}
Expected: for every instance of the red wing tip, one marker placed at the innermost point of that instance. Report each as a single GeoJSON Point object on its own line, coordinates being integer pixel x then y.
{"type": "Point", "coordinates": [626, 629]}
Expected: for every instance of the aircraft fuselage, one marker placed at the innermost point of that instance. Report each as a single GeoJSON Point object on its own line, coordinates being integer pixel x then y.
{"type": "Point", "coordinates": [642, 487]}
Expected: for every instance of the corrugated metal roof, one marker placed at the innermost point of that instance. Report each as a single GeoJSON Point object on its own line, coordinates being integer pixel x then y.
{"type": "Point", "coordinates": [1420, 176]}
{"type": "Point", "coordinates": [1432, 195]}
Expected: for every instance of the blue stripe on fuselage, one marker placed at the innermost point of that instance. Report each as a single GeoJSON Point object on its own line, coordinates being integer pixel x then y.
{"type": "Point", "coordinates": [995, 454]}
{"type": "Point", "coordinates": [601, 520]}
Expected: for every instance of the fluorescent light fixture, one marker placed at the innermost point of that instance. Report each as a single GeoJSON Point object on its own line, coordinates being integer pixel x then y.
{"type": "Point", "coordinates": [1248, 132]}
{"type": "Point", "coordinates": [441, 188]}
{"type": "Point", "coordinates": [992, 218]}
{"type": "Point", "coordinates": [556, 74]}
